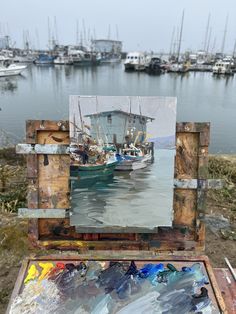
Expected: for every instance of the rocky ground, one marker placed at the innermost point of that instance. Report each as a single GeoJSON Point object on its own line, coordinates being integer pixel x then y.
{"type": "Point", "coordinates": [220, 218]}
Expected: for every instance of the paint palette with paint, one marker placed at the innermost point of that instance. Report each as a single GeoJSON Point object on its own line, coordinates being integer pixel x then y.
{"type": "Point", "coordinates": [75, 286]}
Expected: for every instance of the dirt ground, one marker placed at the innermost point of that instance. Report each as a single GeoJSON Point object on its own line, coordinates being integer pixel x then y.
{"type": "Point", "coordinates": [14, 244]}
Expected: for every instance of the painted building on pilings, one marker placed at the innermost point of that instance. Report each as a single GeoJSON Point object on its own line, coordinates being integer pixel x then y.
{"type": "Point", "coordinates": [118, 127]}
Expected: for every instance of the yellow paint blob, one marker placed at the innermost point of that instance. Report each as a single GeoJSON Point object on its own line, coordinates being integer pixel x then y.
{"type": "Point", "coordinates": [32, 273]}
{"type": "Point", "coordinates": [46, 268]}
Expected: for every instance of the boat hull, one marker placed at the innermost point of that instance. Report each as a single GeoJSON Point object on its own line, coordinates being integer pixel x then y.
{"type": "Point", "coordinates": [92, 172]}
{"type": "Point", "coordinates": [136, 164]}
{"type": "Point", "coordinates": [87, 62]}
{"type": "Point", "coordinates": [12, 71]}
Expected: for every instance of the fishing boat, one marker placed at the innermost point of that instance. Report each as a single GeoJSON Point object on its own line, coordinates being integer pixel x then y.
{"type": "Point", "coordinates": [44, 59]}
{"type": "Point", "coordinates": [86, 58]}
{"type": "Point", "coordinates": [64, 60]}
{"type": "Point", "coordinates": [222, 68]}
{"type": "Point", "coordinates": [7, 68]}
{"type": "Point", "coordinates": [93, 171]}
{"type": "Point", "coordinates": [25, 58]}
{"type": "Point", "coordinates": [131, 163]}
{"type": "Point", "coordinates": [110, 58]}
{"type": "Point", "coordinates": [154, 65]}
{"type": "Point", "coordinates": [179, 67]}
{"type": "Point", "coordinates": [135, 61]}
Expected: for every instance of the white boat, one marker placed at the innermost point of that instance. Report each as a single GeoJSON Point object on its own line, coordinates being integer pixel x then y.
{"type": "Point", "coordinates": [135, 61]}
{"type": "Point", "coordinates": [134, 163]}
{"type": "Point", "coordinates": [30, 58]}
{"type": "Point", "coordinates": [67, 60]}
{"type": "Point", "coordinates": [179, 68]}
{"type": "Point", "coordinates": [222, 68]}
{"type": "Point", "coordinates": [10, 69]}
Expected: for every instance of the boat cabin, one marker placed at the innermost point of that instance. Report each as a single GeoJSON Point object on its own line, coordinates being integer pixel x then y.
{"type": "Point", "coordinates": [118, 126]}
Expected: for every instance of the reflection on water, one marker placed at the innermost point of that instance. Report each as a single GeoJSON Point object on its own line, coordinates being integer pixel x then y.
{"type": "Point", "coordinates": [140, 198]}
{"type": "Point", "coordinates": [7, 84]}
{"type": "Point", "coordinates": [42, 92]}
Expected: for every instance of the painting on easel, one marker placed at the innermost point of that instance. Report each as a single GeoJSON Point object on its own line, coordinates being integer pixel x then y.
{"type": "Point", "coordinates": [122, 162]}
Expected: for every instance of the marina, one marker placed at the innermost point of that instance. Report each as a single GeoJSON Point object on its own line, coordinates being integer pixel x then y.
{"type": "Point", "coordinates": [118, 142]}
{"type": "Point", "coordinates": [43, 91]}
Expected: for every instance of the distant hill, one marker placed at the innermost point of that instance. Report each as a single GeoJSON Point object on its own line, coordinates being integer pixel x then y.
{"type": "Point", "coordinates": [167, 142]}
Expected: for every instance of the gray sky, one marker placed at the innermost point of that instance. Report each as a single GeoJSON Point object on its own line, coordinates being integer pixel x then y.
{"type": "Point", "coordinates": [143, 25]}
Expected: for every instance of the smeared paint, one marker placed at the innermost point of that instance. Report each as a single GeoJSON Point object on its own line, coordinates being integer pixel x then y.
{"type": "Point", "coordinates": [32, 274]}
{"type": "Point", "coordinates": [88, 288]}
{"type": "Point", "coordinates": [41, 297]}
{"type": "Point", "coordinates": [145, 304]}
{"type": "Point", "coordinates": [46, 268]}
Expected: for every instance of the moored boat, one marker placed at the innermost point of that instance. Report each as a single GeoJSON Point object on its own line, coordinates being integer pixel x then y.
{"type": "Point", "coordinates": [222, 68]}
{"type": "Point", "coordinates": [133, 164]}
{"type": "Point", "coordinates": [154, 65]}
{"type": "Point", "coordinates": [133, 159]}
{"type": "Point", "coordinates": [10, 69]}
{"type": "Point", "coordinates": [63, 60]}
{"type": "Point", "coordinates": [135, 61]}
{"type": "Point", "coordinates": [44, 59]}
{"type": "Point", "coordinates": [93, 171]}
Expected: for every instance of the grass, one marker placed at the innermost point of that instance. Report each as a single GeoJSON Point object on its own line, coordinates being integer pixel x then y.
{"type": "Point", "coordinates": [224, 168]}
{"type": "Point", "coordinates": [13, 183]}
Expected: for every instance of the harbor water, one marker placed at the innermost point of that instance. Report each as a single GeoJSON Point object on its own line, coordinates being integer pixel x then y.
{"type": "Point", "coordinates": [42, 92]}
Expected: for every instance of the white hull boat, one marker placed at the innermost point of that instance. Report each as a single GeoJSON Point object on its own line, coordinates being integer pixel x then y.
{"type": "Point", "coordinates": [135, 164]}
{"type": "Point", "coordinates": [222, 68]}
{"type": "Point", "coordinates": [135, 61]}
{"type": "Point", "coordinates": [11, 70]}
{"type": "Point", "coordinates": [63, 60]}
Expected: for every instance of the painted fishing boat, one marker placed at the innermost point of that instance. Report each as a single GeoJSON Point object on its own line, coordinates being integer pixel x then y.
{"type": "Point", "coordinates": [93, 171]}
{"type": "Point", "coordinates": [130, 163]}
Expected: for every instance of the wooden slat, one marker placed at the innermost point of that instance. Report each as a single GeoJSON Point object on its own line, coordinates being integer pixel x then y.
{"type": "Point", "coordinates": [42, 213]}
{"type": "Point", "coordinates": [203, 184]}
{"type": "Point", "coordinates": [227, 286]}
{"type": "Point", "coordinates": [50, 149]}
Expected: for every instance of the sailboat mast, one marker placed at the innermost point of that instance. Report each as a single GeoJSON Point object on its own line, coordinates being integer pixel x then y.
{"type": "Point", "coordinates": [172, 41]}
{"type": "Point", "coordinates": [206, 34]}
{"type": "Point", "coordinates": [117, 32]}
{"type": "Point", "coordinates": [109, 32]}
{"type": "Point", "coordinates": [81, 119]}
{"type": "Point", "coordinates": [55, 30]}
{"type": "Point", "coordinates": [225, 31]}
{"type": "Point", "coordinates": [209, 40]}
{"type": "Point", "coordinates": [234, 50]}
{"type": "Point", "coordinates": [77, 32]}
{"type": "Point", "coordinates": [180, 37]}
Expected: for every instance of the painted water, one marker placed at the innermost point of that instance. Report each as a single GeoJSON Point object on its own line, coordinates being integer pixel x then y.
{"type": "Point", "coordinates": [122, 200]}
{"type": "Point", "coordinates": [43, 93]}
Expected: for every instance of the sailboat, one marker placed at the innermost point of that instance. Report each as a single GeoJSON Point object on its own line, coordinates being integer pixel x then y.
{"type": "Point", "coordinates": [179, 67]}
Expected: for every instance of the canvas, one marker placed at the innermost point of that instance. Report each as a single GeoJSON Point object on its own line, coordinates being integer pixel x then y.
{"type": "Point", "coordinates": [122, 162]}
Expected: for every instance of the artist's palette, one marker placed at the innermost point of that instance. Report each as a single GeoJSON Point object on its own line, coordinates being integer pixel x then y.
{"type": "Point", "coordinates": [99, 287]}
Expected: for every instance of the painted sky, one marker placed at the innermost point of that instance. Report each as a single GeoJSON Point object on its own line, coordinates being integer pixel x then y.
{"type": "Point", "coordinates": [142, 25]}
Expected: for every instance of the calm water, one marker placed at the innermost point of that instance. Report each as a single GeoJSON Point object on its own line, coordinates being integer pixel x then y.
{"type": "Point", "coordinates": [43, 93]}
{"type": "Point", "coordinates": [122, 201]}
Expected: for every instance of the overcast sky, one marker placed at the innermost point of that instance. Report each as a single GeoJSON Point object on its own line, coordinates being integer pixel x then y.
{"type": "Point", "coordinates": [142, 25]}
